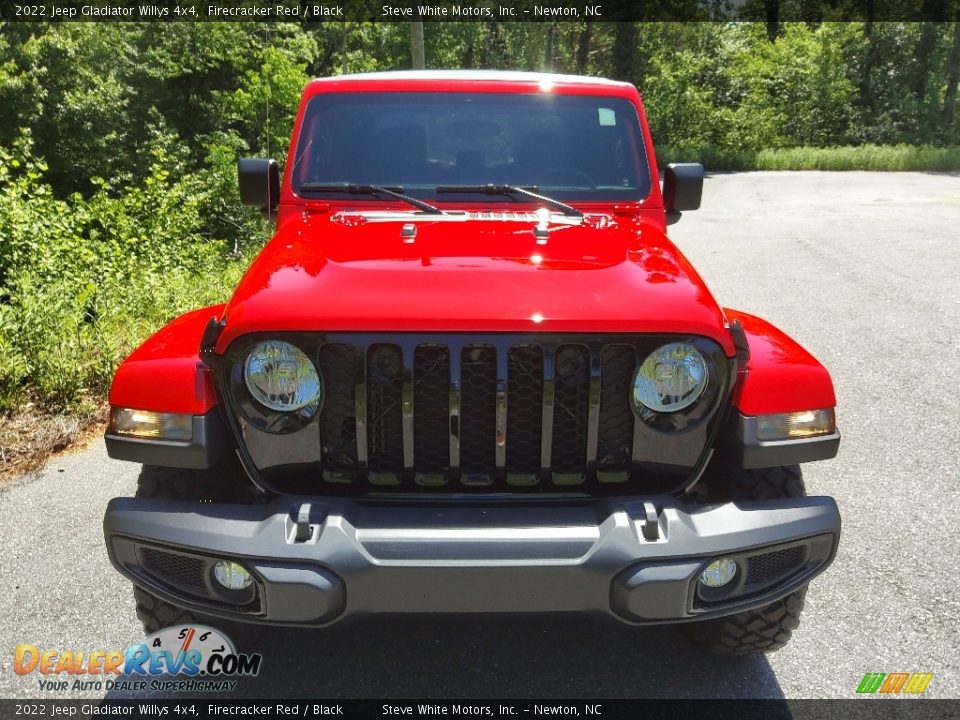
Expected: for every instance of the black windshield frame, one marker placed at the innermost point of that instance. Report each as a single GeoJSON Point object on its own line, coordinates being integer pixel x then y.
{"type": "Point", "coordinates": [590, 148]}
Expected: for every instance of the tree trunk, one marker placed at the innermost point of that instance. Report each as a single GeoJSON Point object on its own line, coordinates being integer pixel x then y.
{"type": "Point", "coordinates": [583, 49]}
{"type": "Point", "coordinates": [624, 50]}
{"type": "Point", "coordinates": [926, 44]}
{"type": "Point", "coordinates": [867, 99]}
{"type": "Point", "coordinates": [494, 51]}
{"type": "Point", "coordinates": [922, 54]}
{"type": "Point", "coordinates": [953, 76]}
{"type": "Point", "coordinates": [547, 65]}
{"type": "Point", "coordinates": [416, 44]}
{"type": "Point", "coordinates": [772, 12]}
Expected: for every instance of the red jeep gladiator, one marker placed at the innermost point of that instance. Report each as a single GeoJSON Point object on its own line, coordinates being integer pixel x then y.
{"type": "Point", "coordinates": [470, 373]}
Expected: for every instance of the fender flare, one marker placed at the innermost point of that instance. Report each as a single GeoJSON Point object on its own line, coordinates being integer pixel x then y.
{"type": "Point", "coordinates": [780, 375]}
{"type": "Point", "coordinates": [165, 374]}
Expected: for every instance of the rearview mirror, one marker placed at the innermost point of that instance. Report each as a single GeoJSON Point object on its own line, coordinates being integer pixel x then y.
{"type": "Point", "coordinates": [682, 189]}
{"type": "Point", "coordinates": [259, 181]}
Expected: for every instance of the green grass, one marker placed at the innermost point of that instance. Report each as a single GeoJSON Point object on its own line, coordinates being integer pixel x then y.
{"type": "Point", "coordinates": [61, 347]}
{"type": "Point", "coordinates": [864, 157]}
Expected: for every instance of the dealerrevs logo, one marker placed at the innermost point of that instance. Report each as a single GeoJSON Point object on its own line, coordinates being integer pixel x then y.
{"type": "Point", "coordinates": [180, 658]}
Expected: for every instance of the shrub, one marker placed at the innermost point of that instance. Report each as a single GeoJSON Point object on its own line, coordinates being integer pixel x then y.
{"type": "Point", "coordinates": [84, 281]}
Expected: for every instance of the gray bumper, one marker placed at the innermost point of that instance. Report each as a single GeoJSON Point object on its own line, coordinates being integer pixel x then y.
{"type": "Point", "coordinates": [315, 562]}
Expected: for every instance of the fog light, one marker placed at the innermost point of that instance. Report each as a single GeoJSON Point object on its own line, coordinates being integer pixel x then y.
{"type": "Point", "coordinates": [718, 573]}
{"type": "Point", "coordinates": [233, 576]}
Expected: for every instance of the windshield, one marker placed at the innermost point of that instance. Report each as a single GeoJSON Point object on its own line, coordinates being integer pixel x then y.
{"type": "Point", "coordinates": [570, 147]}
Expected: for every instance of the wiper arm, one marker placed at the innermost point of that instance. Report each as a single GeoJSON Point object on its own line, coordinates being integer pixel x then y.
{"type": "Point", "coordinates": [354, 189]}
{"type": "Point", "coordinates": [511, 190]}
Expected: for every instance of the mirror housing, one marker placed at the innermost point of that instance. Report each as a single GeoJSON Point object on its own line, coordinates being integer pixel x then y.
{"type": "Point", "coordinates": [259, 181]}
{"type": "Point", "coordinates": [682, 189]}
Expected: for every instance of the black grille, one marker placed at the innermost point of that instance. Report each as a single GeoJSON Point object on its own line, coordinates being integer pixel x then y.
{"type": "Point", "coordinates": [340, 366]}
{"type": "Point", "coordinates": [773, 565]}
{"type": "Point", "coordinates": [431, 392]}
{"type": "Point", "coordinates": [181, 571]}
{"type": "Point", "coordinates": [524, 404]}
{"type": "Point", "coordinates": [491, 413]}
{"type": "Point", "coordinates": [570, 409]}
{"type": "Point", "coordinates": [384, 412]}
{"type": "Point", "coordinates": [478, 381]}
{"type": "Point", "coordinates": [615, 441]}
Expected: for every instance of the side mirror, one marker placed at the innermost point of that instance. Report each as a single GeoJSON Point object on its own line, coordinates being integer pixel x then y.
{"type": "Point", "coordinates": [682, 189]}
{"type": "Point", "coordinates": [259, 181]}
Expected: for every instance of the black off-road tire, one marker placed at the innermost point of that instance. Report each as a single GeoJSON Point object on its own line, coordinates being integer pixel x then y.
{"type": "Point", "coordinates": [767, 628]}
{"type": "Point", "coordinates": [222, 484]}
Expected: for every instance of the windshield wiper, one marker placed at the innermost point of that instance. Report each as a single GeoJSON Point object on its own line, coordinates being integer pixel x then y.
{"type": "Point", "coordinates": [511, 190]}
{"type": "Point", "coordinates": [354, 189]}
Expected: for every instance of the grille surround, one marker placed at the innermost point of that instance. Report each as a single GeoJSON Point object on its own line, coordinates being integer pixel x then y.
{"type": "Point", "coordinates": [512, 403]}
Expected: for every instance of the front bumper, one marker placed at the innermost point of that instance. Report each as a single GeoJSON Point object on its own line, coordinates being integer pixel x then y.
{"type": "Point", "coordinates": [314, 562]}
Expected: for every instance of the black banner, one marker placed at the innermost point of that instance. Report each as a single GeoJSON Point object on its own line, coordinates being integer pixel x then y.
{"type": "Point", "coordinates": [854, 709]}
{"type": "Point", "coordinates": [309, 11]}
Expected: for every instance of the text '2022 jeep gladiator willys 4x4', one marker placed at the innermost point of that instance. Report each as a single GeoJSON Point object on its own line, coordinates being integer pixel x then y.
{"type": "Point", "coordinates": [470, 373]}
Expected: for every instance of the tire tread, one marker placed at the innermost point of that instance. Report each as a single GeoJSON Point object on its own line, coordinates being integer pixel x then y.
{"type": "Point", "coordinates": [164, 483]}
{"type": "Point", "coordinates": [768, 628]}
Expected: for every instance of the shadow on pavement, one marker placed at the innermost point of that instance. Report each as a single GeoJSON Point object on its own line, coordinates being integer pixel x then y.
{"type": "Point", "coordinates": [500, 657]}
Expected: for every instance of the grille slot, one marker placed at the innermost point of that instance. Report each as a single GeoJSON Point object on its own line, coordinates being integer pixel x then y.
{"type": "Point", "coordinates": [478, 378]}
{"type": "Point", "coordinates": [384, 411]}
{"type": "Point", "coordinates": [615, 436]}
{"type": "Point", "coordinates": [524, 404]}
{"type": "Point", "coordinates": [180, 571]}
{"type": "Point", "coordinates": [340, 366]}
{"type": "Point", "coordinates": [570, 409]}
{"type": "Point", "coordinates": [431, 400]}
{"type": "Point", "coordinates": [772, 566]}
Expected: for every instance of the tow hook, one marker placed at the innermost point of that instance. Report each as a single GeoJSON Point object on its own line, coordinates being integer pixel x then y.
{"type": "Point", "coordinates": [651, 525]}
{"type": "Point", "coordinates": [303, 525]}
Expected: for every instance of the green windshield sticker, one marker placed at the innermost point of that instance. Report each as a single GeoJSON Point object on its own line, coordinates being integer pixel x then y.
{"type": "Point", "coordinates": [607, 117]}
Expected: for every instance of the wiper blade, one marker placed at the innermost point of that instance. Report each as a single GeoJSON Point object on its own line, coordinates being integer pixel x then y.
{"type": "Point", "coordinates": [512, 190]}
{"type": "Point", "coordinates": [354, 189]}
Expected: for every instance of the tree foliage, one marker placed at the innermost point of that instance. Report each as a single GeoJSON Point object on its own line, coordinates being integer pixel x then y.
{"type": "Point", "coordinates": [118, 141]}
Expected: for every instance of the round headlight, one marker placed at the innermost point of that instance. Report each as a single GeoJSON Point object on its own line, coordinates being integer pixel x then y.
{"type": "Point", "coordinates": [671, 378]}
{"type": "Point", "coordinates": [280, 377]}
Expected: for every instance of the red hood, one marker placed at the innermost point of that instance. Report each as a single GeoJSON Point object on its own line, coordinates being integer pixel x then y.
{"type": "Point", "coordinates": [347, 272]}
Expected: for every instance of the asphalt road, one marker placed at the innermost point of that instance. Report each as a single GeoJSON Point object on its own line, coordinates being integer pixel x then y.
{"type": "Point", "coordinates": [863, 269]}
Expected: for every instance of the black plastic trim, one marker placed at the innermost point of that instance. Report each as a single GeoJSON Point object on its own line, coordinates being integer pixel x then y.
{"type": "Point", "coordinates": [751, 452]}
{"type": "Point", "coordinates": [211, 333]}
{"type": "Point", "coordinates": [740, 342]}
{"type": "Point", "coordinates": [816, 551]}
{"type": "Point", "coordinates": [320, 560]}
{"type": "Point", "coordinates": [259, 183]}
{"type": "Point", "coordinates": [682, 187]}
{"type": "Point", "coordinates": [202, 451]}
